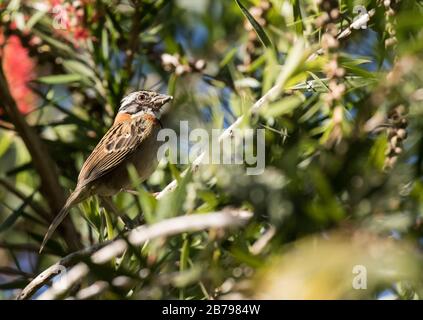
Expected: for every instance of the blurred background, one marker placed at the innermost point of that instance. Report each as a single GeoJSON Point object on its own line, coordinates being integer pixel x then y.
{"type": "Point", "coordinates": [337, 212]}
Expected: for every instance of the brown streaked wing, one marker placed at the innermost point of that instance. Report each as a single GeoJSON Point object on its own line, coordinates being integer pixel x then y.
{"type": "Point", "coordinates": [118, 143]}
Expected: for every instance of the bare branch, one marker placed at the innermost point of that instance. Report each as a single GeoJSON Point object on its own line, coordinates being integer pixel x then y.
{"type": "Point", "coordinates": [92, 291]}
{"type": "Point", "coordinates": [103, 252]}
{"type": "Point", "coordinates": [169, 227]}
{"type": "Point", "coordinates": [55, 269]}
{"type": "Point", "coordinates": [65, 282]}
{"type": "Point", "coordinates": [263, 241]}
{"type": "Point", "coordinates": [356, 24]}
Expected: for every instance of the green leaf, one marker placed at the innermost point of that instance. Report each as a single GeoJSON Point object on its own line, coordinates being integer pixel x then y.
{"type": "Point", "coordinates": [319, 81]}
{"type": "Point", "coordinates": [171, 86]}
{"type": "Point", "coordinates": [296, 57]}
{"type": "Point", "coordinates": [228, 57]}
{"type": "Point", "coordinates": [34, 19]}
{"type": "Point", "coordinates": [5, 142]}
{"type": "Point", "coordinates": [264, 38]}
{"type": "Point", "coordinates": [104, 44]}
{"type": "Point", "coordinates": [146, 200]}
{"type": "Point", "coordinates": [109, 225]}
{"type": "Point", "coordinates": [183, 261]}
{"type": "Point", "coordinates": [60, 45]}
{"type": "Point", "coordinates": [10, 220]}
{"type": "Point", "coordinates": [297, 16]}
{"type": "Point", "coordinates": [281, 107]}
{"type": "Point", "coordinates": [91, 210]}
{"type": "Point", "coordinates": [148, 204]}
{"type": "Point", "coordinates": [60, 79]}
{"type": "Point", "coordinates": [171, 204]}
{"type": "Point", "coordinates": [77, 67]}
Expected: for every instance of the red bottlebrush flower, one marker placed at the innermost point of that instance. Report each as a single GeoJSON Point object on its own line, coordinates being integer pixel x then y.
{"type": "Point", "coordinates": [81, 34]}
{"type": "Point", "coordinates": [68, 20]}
{"type": "Point", "coordinates": [19, 70]}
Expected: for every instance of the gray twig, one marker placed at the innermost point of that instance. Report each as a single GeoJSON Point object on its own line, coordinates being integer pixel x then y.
{"type": "Point", "coordinates": [56, 268]}
{"type": "Point", "coordinates": [103, 252]}
{"type": "Point", "coordinates": [356, 24]}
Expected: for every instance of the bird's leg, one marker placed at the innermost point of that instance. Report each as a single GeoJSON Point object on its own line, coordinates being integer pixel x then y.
{"type": "Point", "coordinates": [109, 206]}
{"type": "Point", "coordinates": [130, 191]}
{"type": "Point", "coordinates": [136, 193]}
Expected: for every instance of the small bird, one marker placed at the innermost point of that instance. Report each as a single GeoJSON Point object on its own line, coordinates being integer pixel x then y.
{"type": "Point", "coordinates": [132, 139]}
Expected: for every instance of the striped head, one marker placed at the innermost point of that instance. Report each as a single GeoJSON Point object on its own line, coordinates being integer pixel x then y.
{"type": "Point", "coordinates": [143, 101]}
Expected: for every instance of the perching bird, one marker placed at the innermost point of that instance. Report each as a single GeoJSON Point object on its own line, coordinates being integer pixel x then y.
{"type": "Point", "coordinates": [132, 139]}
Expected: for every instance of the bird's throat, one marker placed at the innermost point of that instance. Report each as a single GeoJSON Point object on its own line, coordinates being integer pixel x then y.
{"type": "Point", "coordinates": [121, 117]}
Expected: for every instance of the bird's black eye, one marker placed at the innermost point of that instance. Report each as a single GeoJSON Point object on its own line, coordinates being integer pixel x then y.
{"type": "Point", "coordinates": [141, 97]}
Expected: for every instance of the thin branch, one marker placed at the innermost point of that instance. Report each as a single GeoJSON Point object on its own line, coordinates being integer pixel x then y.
{"type": "Point", "coordinates": [14, 272]}
{"type": "Point", "coordinates": [263, 241]}
{"type": "Point", "coordinates": [356, 24]}
{"type": "Point", "coordinates": [6, 125]}
{"type": "Point", "coordinates": [105, 251]}
{"type": "Point", "coordinates": [57, 268]}
{"type": "Point", "coordinates": [169, 227]}
{"type": "Point", "coordinates": [37, 208]}
{"type": "Point", "coordinates": [71, 277]}
{"type": "Point", "coordinates": [92, 291]}
{"type": "Point", "coordinates": [23, 247]}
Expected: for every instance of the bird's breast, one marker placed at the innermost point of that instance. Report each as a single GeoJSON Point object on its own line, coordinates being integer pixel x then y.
{"type": "Point", "coordinates": [122, 117]}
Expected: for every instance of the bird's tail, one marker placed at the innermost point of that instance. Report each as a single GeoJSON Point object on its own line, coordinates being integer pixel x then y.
{"type": "Point", "coordinates": [73, 199]}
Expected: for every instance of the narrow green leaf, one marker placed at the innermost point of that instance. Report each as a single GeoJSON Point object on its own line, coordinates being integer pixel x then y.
{"type": "Point", "coordinates": [264, 38]}
{"type": "Point", "coordinates": [171, 86]}
{"type": "Point", "coordinates": [34, 19]}
{"type": "Point", "coordinates": [60, 79]}
{"type": "Point", "coordinates": [77, 67]}
{"type": "Point", "coordinates": [91, 213]}
{"type": "Point", "coordinates": [319, 81]}
{"type": "Point", "coordinates": [297, 16]}
{"type": "Point", "coordinates": [109, 225]}
{"type": "Point", "coordinates": [10, 220]}
{"type": "Point", "coordinates": [183, 263]}
{"type": "Point", "coordinates": [5, 142]}
{"type": "Point", "coordinates": [146, 200]}
{"type": "Point", "coordinates": [171, 204]}
{"type": "Point", "coordinates": [105, 44]}
{"type": "Point", "coordinates": [228, 57]}
{"type": "Point", "coordinates": [148, 204]}
{"type": "Point", "coordinates": [60, 45]}
{"type": "Point", "coordinates": [281, 107]}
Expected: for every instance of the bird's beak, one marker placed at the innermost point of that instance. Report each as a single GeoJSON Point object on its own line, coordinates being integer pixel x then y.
{"type": "Point", "coordinates": [164, 99]}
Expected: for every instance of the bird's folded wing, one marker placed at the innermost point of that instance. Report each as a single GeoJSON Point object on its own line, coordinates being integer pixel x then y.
{"type": "Point", "coordinates": [117, 144]}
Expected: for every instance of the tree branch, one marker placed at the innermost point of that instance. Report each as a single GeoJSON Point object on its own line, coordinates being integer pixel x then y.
{"type": "Point", "coordinates": [103, 252]}
{"type": "Point", "coordinates": [56, 268]}
{"type": "Point", "coordinates": [41, 160]}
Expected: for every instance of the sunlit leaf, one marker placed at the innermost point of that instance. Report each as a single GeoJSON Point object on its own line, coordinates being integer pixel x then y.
{"type": "Point", "coordinates": [60, 79]}
{"type": "Point", "coordinates": [257, 27]}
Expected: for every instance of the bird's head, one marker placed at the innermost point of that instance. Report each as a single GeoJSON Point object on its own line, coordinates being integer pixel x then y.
{"type": "Point", "coordinates": [143, 101]}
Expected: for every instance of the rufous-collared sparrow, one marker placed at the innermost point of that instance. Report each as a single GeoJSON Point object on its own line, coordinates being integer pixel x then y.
{"type": "Point", "coordinates": [132, 139]}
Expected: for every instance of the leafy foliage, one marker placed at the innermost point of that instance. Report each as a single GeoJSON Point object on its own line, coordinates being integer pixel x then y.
{"type": "Point", "coordinates": [343, 145]}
